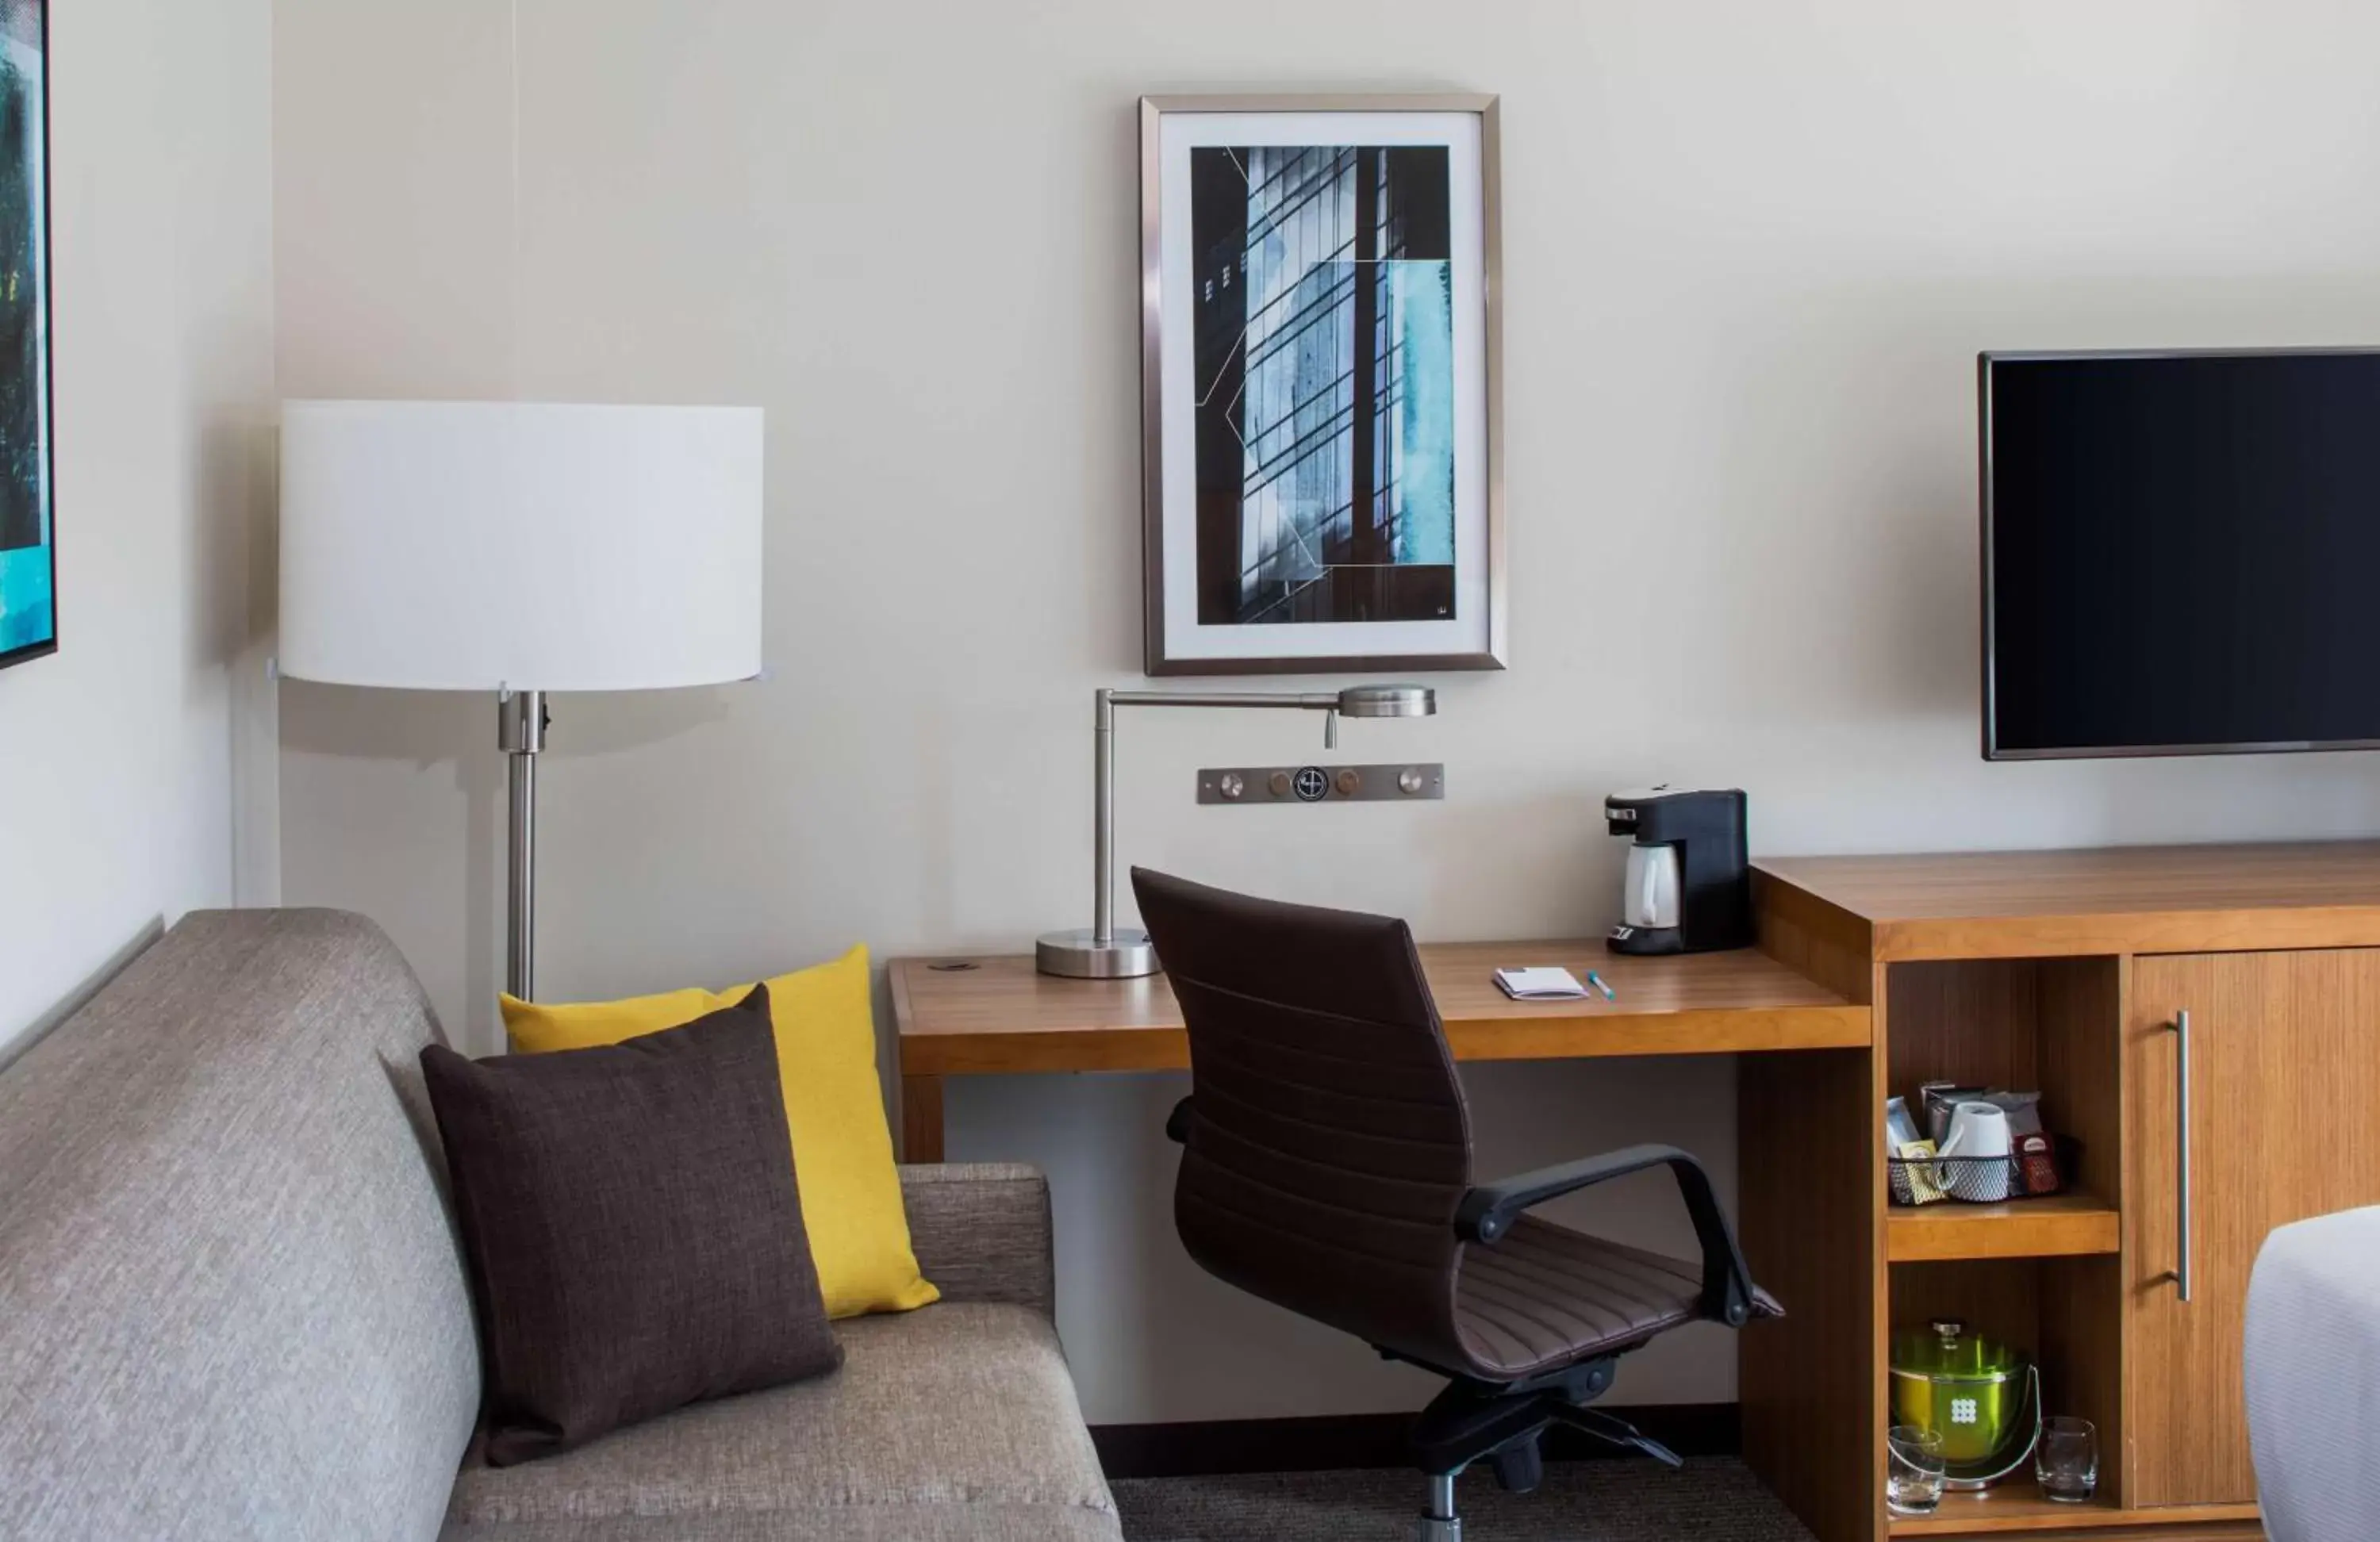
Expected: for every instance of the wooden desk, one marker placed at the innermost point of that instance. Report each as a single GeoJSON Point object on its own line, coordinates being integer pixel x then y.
{"type": "Point", "coordinates": [2065, 971]}
{"type": "Point", "coordinates": [996, 1016]}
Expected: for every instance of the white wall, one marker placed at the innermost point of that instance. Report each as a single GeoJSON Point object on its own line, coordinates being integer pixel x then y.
{"type": "Point", "coordinates": [1751, 250]}
{"type": "Point", "coordinates": [119, 778]}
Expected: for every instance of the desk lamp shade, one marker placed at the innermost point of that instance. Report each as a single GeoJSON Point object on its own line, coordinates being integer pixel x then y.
{"type": "Point", "coordinates": [482, 545]}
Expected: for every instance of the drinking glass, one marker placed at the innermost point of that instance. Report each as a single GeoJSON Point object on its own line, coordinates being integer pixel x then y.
{"type": "Point", "coordinates": [2067, 1461]}
{"type": "Point", "coordinates": [1914, 1470]}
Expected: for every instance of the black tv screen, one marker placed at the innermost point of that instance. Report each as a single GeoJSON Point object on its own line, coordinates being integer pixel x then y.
{"type": "Point", "coordinates": [2182, 552]}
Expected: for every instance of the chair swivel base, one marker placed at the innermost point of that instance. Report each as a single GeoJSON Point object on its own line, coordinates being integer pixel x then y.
{"type": "Point", "coordinates": [1474, 1421]}
{"type": "Point", "coordinates": [1470, 1420]}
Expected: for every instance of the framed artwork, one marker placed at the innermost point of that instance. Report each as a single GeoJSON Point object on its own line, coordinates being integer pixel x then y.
{"type": "Point", "coordinates": [29, 610]}
{"type": "Point", "coordinates": [1322, 480]}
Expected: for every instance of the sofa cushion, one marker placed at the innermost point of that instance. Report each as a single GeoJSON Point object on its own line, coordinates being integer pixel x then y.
{"type": "Point", "coordinates": [957, 1421]}
{"type": "Point", "coordinates": [632, 1228]}
{"type": "Point", "coordinates": [842, 1147]}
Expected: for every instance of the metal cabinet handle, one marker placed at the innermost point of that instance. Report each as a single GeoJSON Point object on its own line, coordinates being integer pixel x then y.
{"type": "Point", "coordinates": [2180, 1276]}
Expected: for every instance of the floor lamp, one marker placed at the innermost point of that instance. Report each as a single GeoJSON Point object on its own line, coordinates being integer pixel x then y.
{"type": "Point", "coordinates": [520, 548]}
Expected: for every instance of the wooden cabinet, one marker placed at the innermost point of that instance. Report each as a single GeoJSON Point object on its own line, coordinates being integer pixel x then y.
{"type": "Point", "coordinates": [2284, 1096]}
{"type": "Point", "coordinates": [2066, 971]}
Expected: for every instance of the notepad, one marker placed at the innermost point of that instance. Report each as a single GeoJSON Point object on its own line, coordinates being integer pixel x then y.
{"type": "Point", "coordinates": [1540, 983]}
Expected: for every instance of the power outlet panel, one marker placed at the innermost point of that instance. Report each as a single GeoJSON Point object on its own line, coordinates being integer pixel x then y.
{"type": "Point", "coordinates": [1409, 781]}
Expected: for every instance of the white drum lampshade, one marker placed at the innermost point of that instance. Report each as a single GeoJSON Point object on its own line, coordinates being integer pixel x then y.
{"type": "Point", "coordinates": [520, 548]}
{"type": "Point", "coordinates": [529, 546]}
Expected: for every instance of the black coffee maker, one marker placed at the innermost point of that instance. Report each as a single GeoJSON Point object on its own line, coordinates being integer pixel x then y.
{"type": "Point", "coordinates": [1689, 885]}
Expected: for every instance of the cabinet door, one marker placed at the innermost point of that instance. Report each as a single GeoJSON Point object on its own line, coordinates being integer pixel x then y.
{"type": "Point", "coordinates": [2284, 1101]}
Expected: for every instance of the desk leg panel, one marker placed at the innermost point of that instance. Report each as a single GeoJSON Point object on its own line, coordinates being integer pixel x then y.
{"type": "Point", "coordinates": [921, 1119]}
{"type": "Point", "coordinates": [1809, 1138]}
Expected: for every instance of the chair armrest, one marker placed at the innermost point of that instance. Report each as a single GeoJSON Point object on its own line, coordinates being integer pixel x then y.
{"type": "Point", "coordinates": [1489, 1211]}
{"type": "Point", "coordinates": [981, 1231]}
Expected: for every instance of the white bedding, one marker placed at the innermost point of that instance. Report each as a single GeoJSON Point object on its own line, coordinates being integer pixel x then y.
{"type": "Point", "coordinates": [2313, 1378]}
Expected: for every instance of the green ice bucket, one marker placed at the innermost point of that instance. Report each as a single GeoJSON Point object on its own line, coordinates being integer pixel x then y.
{"type": "Point", "coordinates": [1969, 1390]}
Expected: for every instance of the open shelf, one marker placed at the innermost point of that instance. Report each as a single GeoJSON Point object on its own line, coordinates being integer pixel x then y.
{"type": "Point", "coordinates": [2060, 1225]}
{"type": "Point", "coordinates": [2042, 1276]}
{"type": "Point", "coordinates": [2016, 1506]}
{"type": "Point", "coordinates": [2063, 1313]}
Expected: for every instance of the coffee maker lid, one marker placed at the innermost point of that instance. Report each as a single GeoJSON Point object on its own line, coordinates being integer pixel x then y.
{"type": "Point", "coordinates": [1660, 790]}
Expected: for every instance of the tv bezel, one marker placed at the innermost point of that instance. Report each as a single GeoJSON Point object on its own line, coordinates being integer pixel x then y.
{"type": "Point", "coordinates": [1993, 750]}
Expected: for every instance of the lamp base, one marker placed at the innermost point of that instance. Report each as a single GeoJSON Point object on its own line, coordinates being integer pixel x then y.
{"type": "Point", "coordinates": [1074, 955]}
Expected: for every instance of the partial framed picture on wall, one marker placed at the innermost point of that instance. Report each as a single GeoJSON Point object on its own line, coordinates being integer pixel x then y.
{"type": "Point", "coordinates": [1321, 436]}
{"type": "Point", "coordinates": [29, 608]}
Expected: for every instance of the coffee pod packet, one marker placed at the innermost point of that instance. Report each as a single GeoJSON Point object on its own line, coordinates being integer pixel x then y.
{"type": "Point", "coordinates": [1942, 1099]}
{"type": "Point", "coordinates": [2023, 1110]}
{"type": "Point", "coordinates": [1916, 1167]}
{"type": "Point", "coordinates": [1900, 1130]}
{"type": "Point", "coordinates": [2037, 1161]}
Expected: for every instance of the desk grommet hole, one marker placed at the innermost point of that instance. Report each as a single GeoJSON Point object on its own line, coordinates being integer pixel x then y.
{"type": "Point", "coordinates": [955, 967]}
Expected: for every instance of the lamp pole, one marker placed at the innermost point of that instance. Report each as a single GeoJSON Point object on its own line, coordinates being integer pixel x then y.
{"type": "Point", "coordinates": [521, 722]}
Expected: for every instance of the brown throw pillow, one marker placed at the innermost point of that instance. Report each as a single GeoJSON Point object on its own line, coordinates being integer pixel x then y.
{"type": "Point", "coordinates": [634, 1229]}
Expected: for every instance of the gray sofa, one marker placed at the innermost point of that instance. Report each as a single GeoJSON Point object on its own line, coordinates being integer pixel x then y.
{"type": "Point", "coordinates": [232, 1302]}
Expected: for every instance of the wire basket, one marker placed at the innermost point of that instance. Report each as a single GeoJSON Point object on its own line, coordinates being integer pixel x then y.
{"type": "Point", "coordinates": [1981, 1180]}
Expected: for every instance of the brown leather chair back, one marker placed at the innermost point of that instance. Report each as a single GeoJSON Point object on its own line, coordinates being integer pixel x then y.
{"type": "Point", "coordinates": [1327, 1145]}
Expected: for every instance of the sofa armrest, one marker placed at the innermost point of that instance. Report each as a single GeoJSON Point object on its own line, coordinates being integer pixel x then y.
{"type": "Point", "coordinates": [981, 1231]}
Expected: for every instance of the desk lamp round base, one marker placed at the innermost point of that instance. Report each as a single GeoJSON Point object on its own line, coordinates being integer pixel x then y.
{"type": "Point", "coordinates": [1076, 954]}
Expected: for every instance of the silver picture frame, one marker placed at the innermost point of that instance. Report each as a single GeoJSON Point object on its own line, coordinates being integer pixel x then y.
{"type": "Point", "coordinates": [1489, 650]}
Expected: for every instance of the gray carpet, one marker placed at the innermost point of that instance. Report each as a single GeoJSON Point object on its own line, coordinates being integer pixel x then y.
{"type": "Point", "coordinates": [1713, 1499]}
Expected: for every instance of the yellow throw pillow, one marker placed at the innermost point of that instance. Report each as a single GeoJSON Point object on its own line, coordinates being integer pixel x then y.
{"type": "Point", "coordinates": [842, 1149]}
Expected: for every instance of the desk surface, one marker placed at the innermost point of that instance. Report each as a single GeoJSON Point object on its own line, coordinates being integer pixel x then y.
{"type": "Point", "coordinates": [975, 1016]}
{"type": "Point", "coordinates": [2116, 900]}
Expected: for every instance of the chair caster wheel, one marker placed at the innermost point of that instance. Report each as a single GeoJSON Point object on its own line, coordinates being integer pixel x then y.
{"type": "Point", "coordinates": [1520, 1466]}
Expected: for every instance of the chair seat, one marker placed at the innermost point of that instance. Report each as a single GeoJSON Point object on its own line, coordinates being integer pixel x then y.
{"type": "Point", "coordinates": [1545, 1295]}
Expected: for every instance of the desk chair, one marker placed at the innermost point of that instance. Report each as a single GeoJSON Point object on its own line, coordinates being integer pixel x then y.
{"type": "Point", "coordinates": [1326, 1167]}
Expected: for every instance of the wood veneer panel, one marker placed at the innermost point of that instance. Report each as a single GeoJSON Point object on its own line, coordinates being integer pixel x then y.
{"type": "Point", "coordinates": [2065, 1224]}
{"type": "Point", "coordinates": [2018, 1510]}
{"type": "Point", "coordinates": [1809, 1383]}
{"type": "Point", "coordinates": [2082, 1354]}
{"type": "Point", "coordinates": [1997, 1297]}
{"type": "Point", "coordinates": [2281, 1047]}
{"type": "Point", "coordinates": [2120, 900]}
{"type": "Point", "coordinates": [997, 1053]}
{"type": "Point", "coordinates": [999, 1015]}
{"type": "Point", "coordinates": [1815, 939]}
{"type": "Point", "coordinates": [921, 1119]}
{"type": "Point", "coordinates": [1969, 1021]}
{"type": "Point", "coordinates": [2079, 1059]}
{"type": "Point", "coordinates": [1740, 980]}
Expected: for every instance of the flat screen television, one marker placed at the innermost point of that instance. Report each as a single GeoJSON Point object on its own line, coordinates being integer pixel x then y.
{"type": "Point", "coordinates": [2182, 552]}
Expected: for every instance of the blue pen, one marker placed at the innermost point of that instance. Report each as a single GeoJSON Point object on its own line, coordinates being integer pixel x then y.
{"type": "Point", "coordinates": [1597, 980]}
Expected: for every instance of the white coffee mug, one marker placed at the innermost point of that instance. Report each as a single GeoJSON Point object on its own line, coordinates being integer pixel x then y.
{"type": "Point", "coordinates": [1980, 1132]}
